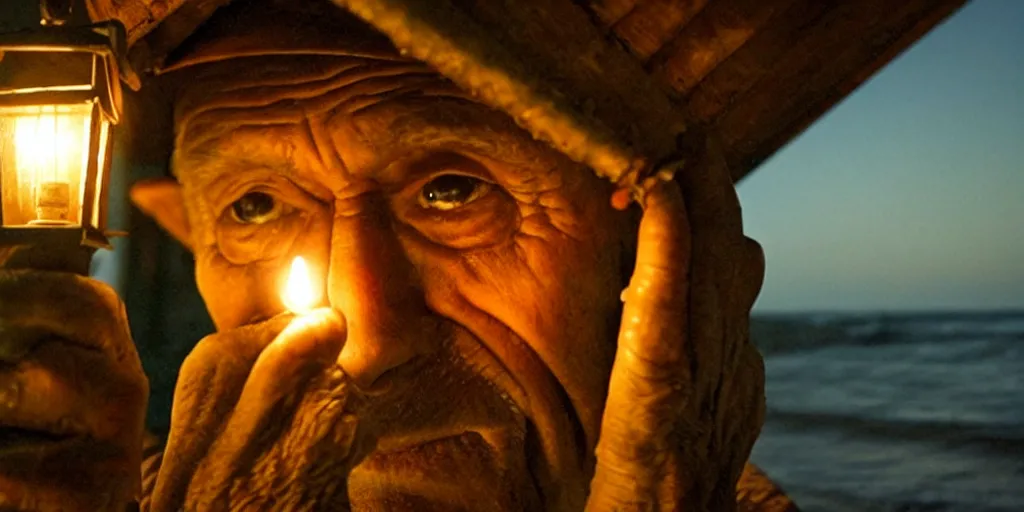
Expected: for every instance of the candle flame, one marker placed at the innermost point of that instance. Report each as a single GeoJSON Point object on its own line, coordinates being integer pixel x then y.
{"type": "Point", "coordinates": [299, 294]}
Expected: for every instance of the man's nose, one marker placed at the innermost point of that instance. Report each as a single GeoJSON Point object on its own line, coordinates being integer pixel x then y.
{"type": "Point", "coordinates": [373, 283]}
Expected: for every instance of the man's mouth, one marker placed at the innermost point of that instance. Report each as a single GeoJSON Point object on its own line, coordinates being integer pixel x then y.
{"type": "Point", "coordinates": [472, 470]}
{"type": "Point", "coordinates": [454, 442]}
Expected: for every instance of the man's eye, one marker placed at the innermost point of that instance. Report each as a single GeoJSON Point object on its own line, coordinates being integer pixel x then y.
{"type": "Point", "coordinates": [451, 191]}
{"type": "Point", "coordinates": [256, 208]}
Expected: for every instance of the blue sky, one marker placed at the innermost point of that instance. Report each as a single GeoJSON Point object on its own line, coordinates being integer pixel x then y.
{"type": "Point", "coordinates": [909, 195]}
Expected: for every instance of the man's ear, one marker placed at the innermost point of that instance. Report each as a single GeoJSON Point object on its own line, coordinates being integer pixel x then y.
{"type": "Point", "coordinates": [161, 199]}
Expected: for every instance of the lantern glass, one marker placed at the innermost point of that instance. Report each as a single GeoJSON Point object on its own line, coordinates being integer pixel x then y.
{"type": "Point", "coordinates": [45, 164]}
{"type": "Point", "coordinates": [60, 95]}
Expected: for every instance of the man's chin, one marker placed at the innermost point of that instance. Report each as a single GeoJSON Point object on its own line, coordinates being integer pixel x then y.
{"type": "Point", "coordinates": [473, 470]}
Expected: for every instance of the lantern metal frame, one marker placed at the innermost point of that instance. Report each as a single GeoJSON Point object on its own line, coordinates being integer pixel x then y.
{"type": "Point", "coordinates": [106, 42]}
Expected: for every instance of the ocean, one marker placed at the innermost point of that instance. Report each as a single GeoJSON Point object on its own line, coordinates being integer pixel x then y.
{"type": "Point", "coordinates": [894, 412]}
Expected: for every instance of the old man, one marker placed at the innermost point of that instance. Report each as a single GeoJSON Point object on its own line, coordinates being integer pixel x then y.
{"type": "Point", "coordinates": [493, 333]}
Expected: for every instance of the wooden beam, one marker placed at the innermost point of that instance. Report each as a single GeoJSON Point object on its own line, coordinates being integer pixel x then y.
{"type": "Point", "coordinates": [848, 46]}
{"type": "Point", "coordinates": [748, 64]}
{"type": "Point", "coordinates": [713, 35]}
{"type": "Point", "coordinates": [138, 17]}
{"type": "Point", "coordinates": [611, 11]}
{"type": "Point", "coordinates": [655, 22]}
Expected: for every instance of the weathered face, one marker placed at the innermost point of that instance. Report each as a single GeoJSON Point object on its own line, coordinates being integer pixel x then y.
{"type": "Point", "coordinates": [478, 271]}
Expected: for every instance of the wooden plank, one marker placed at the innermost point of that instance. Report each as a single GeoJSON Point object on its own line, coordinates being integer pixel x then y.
{"type": "Point", "coordinates": [712, 36]}
{"type": "Point", "coordinates": [748, 64]}
{"type": "Point", "coordinates": [842, 51]}
{"type": "Point", "coordinates": [154, 27]}
{"type": "Point", "coordinates": [933, 18]}
{"type": "Point", "coordinates": [746, 163]}
{"type": "Point", "coordinates": [611, 11]}
{"type": "Point", "coordinates": [831, 47]}
{"type": "Point", "coordinates": [655, 22]}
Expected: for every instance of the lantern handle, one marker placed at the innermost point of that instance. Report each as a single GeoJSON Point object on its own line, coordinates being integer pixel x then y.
{"type": "Point", "coordinates": [58, 12]}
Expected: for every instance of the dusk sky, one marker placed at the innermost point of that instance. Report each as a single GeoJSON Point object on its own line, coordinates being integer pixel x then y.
{"type": "Point", "coordinates": [909, 195]}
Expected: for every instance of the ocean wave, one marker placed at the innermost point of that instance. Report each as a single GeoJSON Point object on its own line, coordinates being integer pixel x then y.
{"type": "Point", "coordinates": [885, 412]}
{"type": "Point", "coordinates": [813, 500]}
{"type": "Point", "coordinates": [998, 438]}
{"type": "Point", "coordinates": [796, 332]}
{"type": "Point", "coordinates": [836, 463]}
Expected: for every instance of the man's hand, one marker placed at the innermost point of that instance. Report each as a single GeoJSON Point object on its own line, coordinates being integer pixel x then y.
{"type": "Point", "coordinates": [685, 400]}
{"type": "Point", "coordinates": [257, 412]}
{"type": "Point", "coordinates": [72, 395]}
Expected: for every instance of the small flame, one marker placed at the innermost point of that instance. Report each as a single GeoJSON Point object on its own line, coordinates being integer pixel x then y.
{"type": "Point", "coordinates": [299, 295]}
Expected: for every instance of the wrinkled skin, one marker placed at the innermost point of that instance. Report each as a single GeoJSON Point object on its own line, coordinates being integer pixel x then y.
{"type": "Point", "coordinates": [471, 350]}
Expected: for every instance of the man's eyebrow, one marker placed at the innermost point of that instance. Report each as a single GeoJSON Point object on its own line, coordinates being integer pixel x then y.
{"type": "Point", "coordinates": [219, 173]}
{"type": "Point", "coordinates": [491, 135]}
{"type": "Point", "coordinates": [216, 150]}
{"type": "Point", "coordinates": [208, 165]}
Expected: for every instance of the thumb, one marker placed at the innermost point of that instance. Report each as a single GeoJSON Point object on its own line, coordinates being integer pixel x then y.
{"type": "Point", "coordinates": [307, 346]}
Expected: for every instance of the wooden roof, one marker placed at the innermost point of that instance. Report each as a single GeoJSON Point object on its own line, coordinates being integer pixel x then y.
{"type": "Point", "coordinates": [761, 71]}
{"type": "Point", "coordinates": [757, 72]}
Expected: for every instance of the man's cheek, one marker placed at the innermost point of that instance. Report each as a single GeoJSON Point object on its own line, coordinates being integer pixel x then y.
{"type": "Point", "coordinates": [234, 294]}
{"type": "Point", "coordinates": [498, 287]}
{"type": "Point", "coordinates": [560, 296]}
{"type": "Point", "coordinates": [237, 295]}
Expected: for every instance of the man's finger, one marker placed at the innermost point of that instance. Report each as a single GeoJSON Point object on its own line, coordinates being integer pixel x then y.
{"type": "Point", "coordinates": [209, 384]}
{"type": "Point", "coordinates": [654, 315]}
{"type": "Point", "coordinates": [307, 346]}
{"type": "Point", "coordinates": [646, 390]}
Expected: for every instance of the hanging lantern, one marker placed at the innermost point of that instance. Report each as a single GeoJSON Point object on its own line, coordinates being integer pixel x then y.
{"type": "Point", "coordinates": [60, 95]}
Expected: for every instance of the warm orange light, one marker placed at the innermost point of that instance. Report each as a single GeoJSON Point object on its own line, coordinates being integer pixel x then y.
{"type": "Point", "coordinates": [48, 150]}
{"type": "Point", "coordinates": [300, 296]}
